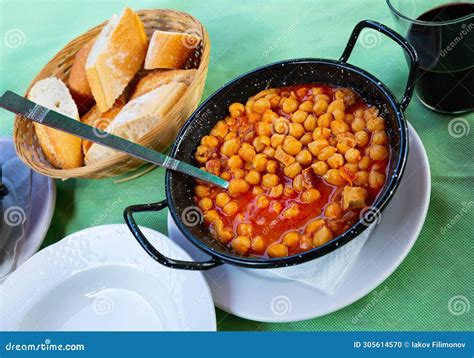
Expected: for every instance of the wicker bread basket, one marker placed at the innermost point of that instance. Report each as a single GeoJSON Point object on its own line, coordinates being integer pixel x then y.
{"type": "Point", "coordinates": [159, 138]}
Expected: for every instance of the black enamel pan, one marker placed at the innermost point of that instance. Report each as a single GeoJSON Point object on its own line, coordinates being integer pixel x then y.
{"type": "Point", "coordinates": [180, 188]}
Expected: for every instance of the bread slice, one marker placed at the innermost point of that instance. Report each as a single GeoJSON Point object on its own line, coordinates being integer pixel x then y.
{"type": "Point", "coordinates": [97, 119]}
{"type": "Point", "coordinates": [158, 78]}
{"type": "Point", "coordinates": [116, 57]}
{"type": "Point", "coordinates": [138, 117]}
{"type": "Point", "coordinates": [170, 50]}
{"type": "Point", "coordinates": [77, 81]}
{"type": "Point", "coordinates": [62, 150]}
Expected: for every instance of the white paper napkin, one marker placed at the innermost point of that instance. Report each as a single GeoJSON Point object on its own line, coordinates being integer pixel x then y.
{"type": "Point", "coordinates": [325, 272]}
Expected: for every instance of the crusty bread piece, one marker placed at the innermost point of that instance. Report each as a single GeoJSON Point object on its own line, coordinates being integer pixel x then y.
{"type": "Point", "coordinates": [97, 119]}
{"type": "Point", "coordinates": [170, 49]}
{"type": "Point", "coordinates": [158, 78]}
{"type": "Point", "coordinates": [77, 81]}
{"type": "Point", "coordinates": [116, 57]}
{"type": "Point", "coordinates": [61, 149]}
{"type": "Point", "coordinates": [138, 117]}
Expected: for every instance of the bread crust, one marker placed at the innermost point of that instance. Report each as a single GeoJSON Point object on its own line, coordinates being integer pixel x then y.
{"type": "Point", "coordinates": [117, 63]}
{"type": "Point", "coordinates": [170, 50]}
{"type": "Point", "coordinates": [158, 78]}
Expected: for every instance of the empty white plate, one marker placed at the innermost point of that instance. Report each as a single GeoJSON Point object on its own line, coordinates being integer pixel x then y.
{"type": "Point", "coordinates": [100, 279]}
{"type": "Point", "coordinates": [267, 298]}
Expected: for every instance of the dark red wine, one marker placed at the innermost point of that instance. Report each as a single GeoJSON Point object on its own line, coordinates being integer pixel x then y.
{"type": "Point", "coordinates": [446, 77]}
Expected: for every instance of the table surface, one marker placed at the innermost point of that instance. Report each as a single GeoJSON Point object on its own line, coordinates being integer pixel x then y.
{"type": "Point", "coordinates": [244, 35]}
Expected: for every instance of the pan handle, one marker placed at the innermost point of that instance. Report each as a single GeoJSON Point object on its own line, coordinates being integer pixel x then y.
{"type": "Point", "coordinates": [151, 250]}
{"type": "Point", "coordinates": [412, 55]}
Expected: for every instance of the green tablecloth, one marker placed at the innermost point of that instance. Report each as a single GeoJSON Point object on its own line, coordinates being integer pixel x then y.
{"type": "Point", "coordinates": [244, 35]}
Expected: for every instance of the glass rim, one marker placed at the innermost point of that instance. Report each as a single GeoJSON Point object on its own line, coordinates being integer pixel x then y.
{"type": "Point", "coordinates": [429, 23]}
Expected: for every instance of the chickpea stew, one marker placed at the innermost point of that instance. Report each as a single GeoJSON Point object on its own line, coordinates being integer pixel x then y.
{"type": "Point", "coordinates": [302, 161]}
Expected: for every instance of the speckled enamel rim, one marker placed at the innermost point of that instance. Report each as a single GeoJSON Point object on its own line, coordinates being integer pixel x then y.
{"type": "Point", "coordinates": [377, 207]}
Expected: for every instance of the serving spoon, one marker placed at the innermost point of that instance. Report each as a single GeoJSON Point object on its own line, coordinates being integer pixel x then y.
{"type": "Point", "coordinates": [30, 110]}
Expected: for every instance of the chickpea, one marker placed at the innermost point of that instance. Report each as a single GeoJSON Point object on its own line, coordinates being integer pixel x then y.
{"type": "Point", "coordinates": [241, 244]}
{"type": "Point", "coordinates": [325, 120]}
{"type": "Point", "coordinates": [238, 187]}
{"type": "Point", "coordinates": [292, 170]}
{"type": "Point", "coordinates": [222, 199]}
{"type": "Point", "coordinates": [333, 177]}
{"type": "Point", "coordinates": [320, 107]}
{"type": "Point", "coordinates": [321, 96]}
{"type": "Point", "coordinates": [272, 166]}
{"type": "Point", "coordinates": [310, 195]}
{"type": "Point", "coordinates": [230, 147]}
{"type": "Point", "coordinates": [259, 162]}
{"type": "Point", "coordinates": [314, 226]}
{"type": "Point", "coordinates": [335, 105]}
{"type": "Point", "coordinates": [349, 118]}
{"type": "Point", "coordinates": [362, 138]}
{"type": "Point", "coordinates": [248, 107]}
{"type": "Point", "coordinates": [289, 105]}
{"type": "Point", "coordinates": [269, 180]}
{"type": "Point", "coordinates": [345, 142]}
{"type": "Point", "coordinates": [320, 167]}
{"type": "Point", "coordinates": [211, 216]}
{"type": "Point", "coordinates": [304, 157]}
{"type": "Point", "coordinates": [352, 167]}
{"type": "Point", "coordinates": [296, 130]}
{"type": "Point", "coordinates": [326, 152]}
{"type": "Point", "coordinates": [253, 177]}
{"type": "Point", "coordinates": [361, 178]}
{"type": "Point", "coordinates": [277, 140]}
{"type": "Point", "coordinates": [202, 191]}
{"type": "Point", "coordinates": [257, 190]}
{"type": "Point", "coordinates": [235, 162]}
{"type": "Point", "coordinates": [376, 179]}
{"type": "Point", "coordinates": [230, 135]}
{"type": "Point", "coordinates": [281, 125]}
{"type": "Point", "coordinates": [378, 152]}
{"type": "Point", "coordinates": [291, 239]}
{"type": "Point", "coordinates": [365, 163]}
{"type": "Point", "coordinates": [269, 152]}
{"type": "Point", "coordinates": [306, 242]}
{"type": "Point", "coordinates": [277, 250]}
{"type": "Point", "coordinates": [205, 204]}
{"type": "Point", "coordinates": [338, 126]}
{"type": "Point", "coordinates": [306, 106]}
{"type": "Point", "coordinates": [336, 161]}
{"type": "Point", "coordinates": [322, 236]}
{"type": "Point", "coordinates": [292, 211]}
{"type": "Point", "coordinates": [298, 183]}
{"type": "Point", "coordinates": [358, 124]}
{"type": "Point", "coordinates": [225, 235]}
{"type": "Point", "coordinates": [320, 132]}
{"type": "Point", "coordinates": [220, 129]}
{"type": "Point", "coordinates": [299, 116]}
{"type": "Point", "coordinates": [276, 191]}
{"type": "Point", "coordinates": [288, 190]}
{"type": "Point", "coordinates": [264, 128]}
{"type": "Point", "coordinates": [257, 244]}
{"type": "Point", "coordinates": [261, 142]}
{"type": "Point", "coordinates": [376, 124]}
{"type": "Point", "coordinates": [291, 145]}
{"type": "Point", "coordinates": [306, 138]}
{"type": "Point", "coordinates": [247, 152]}
{"type": "Point", "coordinates": [239, 174]}
{"type": "Point", "coordinates": [236, 110]}
{"type": "Point", "coordinates": [226, 176]}
{"type": "Point", "coordinates": [269, 116]}
{"type": "Point", "coordinates": [333, 211]}
{"type": "Point", "coordinates": [209, 141]}
{"type": "Point", "coordinates": [310, 123]}
{"type": "Point", "coordinates": [202, 154]}
{"type": "Point", "coordinates": [230, 208]}
{"type": "Point", "coordinates": [339, 115]}
{"type": "Point", "coordinates": [261, 105]}
{"type": "Point", "coordinates": [245, 229]}
{"type": "Point", "coordinates": [317, 145]}
{"type": "Point", "coordinates": [276, 207]}
{"type": "Point", "coordinates": [262, 202]}
{"type": "Point", "coordinates": [353, 155]}
{"type": "Point", "coordinates": [380, 137]}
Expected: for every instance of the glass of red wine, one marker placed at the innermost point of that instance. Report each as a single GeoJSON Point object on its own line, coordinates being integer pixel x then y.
{"type": "Point", "coordinates": [442, 33]}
